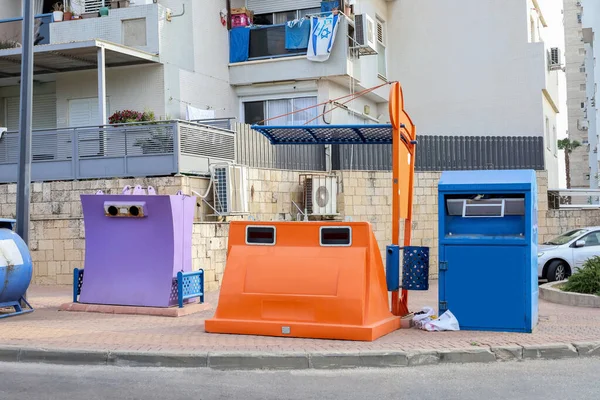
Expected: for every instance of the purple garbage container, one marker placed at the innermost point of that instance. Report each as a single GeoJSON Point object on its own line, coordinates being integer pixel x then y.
{"type": "Point", "coordinates": [134, 246]}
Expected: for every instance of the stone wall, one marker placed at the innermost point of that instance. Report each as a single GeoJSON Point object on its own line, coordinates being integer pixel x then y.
{"type": "Point", "coordinates": [57, 236]}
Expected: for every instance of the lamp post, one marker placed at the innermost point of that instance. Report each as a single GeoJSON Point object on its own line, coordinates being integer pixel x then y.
{"type": "Point", "coordinates": [24, 177]}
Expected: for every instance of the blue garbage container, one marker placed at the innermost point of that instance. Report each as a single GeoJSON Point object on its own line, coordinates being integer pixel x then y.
{"type": "Point", "coordinates": [488, 249]}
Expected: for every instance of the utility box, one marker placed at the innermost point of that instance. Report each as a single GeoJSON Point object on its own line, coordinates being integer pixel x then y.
{"type": "Point", "coordinates": [488, 237]}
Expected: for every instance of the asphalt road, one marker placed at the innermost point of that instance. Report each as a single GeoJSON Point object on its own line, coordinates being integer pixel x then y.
{"type": "Point", "coordinates": [568, 379]}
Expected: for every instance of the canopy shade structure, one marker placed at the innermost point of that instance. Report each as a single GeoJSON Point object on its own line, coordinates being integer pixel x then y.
{"type": "Point", "coordinates": [327, 134]}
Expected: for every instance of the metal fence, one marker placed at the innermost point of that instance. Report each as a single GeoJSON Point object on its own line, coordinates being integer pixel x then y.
{"type": "Point", "coordinates": [255, 150]}
{"type": "Point", "coordinates": [151, 149]}
{"type": "Point", "coordinates": [434, 153]}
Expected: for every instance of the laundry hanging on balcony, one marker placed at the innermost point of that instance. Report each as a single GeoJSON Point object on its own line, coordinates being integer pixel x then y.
{"type": "Point", "coordinates": [322, 37]}
{"type": "Point", "coordinates": [297, 34]}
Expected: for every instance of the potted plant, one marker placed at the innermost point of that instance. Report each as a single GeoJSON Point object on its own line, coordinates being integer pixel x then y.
{"type": "Point", "coordinates": [68, 14]}
{"type": "Point", "coordinates": [57, 12]}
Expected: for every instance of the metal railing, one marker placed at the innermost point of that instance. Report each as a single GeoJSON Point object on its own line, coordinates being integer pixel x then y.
{"type": "Point", "coordinates": [122, 150]}
{"type": "Point", "coordinates": [434, 153]}
{"type": "Point", "coordinates": [573, 198]}
{"type": "Point", "coordinates": [11, 32]}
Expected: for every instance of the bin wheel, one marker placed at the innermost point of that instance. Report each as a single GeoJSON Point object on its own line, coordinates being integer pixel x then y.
{"type": "Point", "coordinates": [557, 271]}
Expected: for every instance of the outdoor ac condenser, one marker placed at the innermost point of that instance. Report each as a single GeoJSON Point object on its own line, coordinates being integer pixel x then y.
{"type": "Point", "coordinates": [230, 189]}
{"type": "Point", "coordinates": [365, 34]}
{"type": "Point", "coordinates": [320, 195]}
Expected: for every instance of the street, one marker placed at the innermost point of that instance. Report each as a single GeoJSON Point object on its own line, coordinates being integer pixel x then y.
{"type": "Point", "coordinates": [564, 379]}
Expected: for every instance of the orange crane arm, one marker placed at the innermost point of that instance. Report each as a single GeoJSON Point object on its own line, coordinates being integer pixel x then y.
{"type": "Point", "coordinates": [403, 172]}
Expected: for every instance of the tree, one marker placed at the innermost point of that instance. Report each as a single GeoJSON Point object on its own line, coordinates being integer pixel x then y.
{"type": "Point", "coordinates": [568, 146]}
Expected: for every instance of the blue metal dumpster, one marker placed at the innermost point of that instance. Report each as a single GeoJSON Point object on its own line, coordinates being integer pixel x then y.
{"type": "Point", "coordinates": [488, 249]}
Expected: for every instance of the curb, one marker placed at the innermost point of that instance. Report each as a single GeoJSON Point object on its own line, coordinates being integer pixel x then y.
{"type": "Point", "coordinates": [549, 293]}
{"type": "Point", "coordinates": [300, 360]}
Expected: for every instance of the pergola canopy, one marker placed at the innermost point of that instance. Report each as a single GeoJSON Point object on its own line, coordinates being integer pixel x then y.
{"type": "Point", "coordinates": [327, 134]}
{"type": "Point", "coordinates": [75, 56]}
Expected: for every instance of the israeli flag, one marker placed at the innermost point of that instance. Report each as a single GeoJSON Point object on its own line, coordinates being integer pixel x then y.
{"type": "Point", "coordinates": [322, 37]}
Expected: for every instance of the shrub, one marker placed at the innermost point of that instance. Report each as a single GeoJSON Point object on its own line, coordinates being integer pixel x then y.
{"type": "Point", "coordinates": [586, 280]}
{"type": "Point", "coordinates": [126, 116]}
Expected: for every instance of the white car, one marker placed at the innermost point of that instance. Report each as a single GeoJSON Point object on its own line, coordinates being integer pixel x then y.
{"type": "Point", "coordinates": [560, 257]}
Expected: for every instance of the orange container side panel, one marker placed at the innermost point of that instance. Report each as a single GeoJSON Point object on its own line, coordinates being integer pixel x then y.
{"type": "Point", "coordinates": [297, 287]}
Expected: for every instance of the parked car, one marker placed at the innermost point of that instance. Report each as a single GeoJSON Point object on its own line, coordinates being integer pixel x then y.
{"type": "Point", "coordinates": [560, 257]}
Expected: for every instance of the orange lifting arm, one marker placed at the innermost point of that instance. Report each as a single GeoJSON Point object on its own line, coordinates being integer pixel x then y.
{"type": "Point", "coordinates": [403, 172]}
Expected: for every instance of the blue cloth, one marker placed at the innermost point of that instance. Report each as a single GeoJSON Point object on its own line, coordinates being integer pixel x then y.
{"type": "Point", "coordinates": [328, 6]}
{"type": "Point", "coordinates": [297, 33]}
{"type": "Point", "coordinates": [239, 45]}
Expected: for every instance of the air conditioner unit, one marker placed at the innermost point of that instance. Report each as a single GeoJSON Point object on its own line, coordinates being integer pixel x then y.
{"type": "Point", "coordinates": [583, 125]}
{"type": "Point", "coordinates": [320, 195]}
{"type": "Point", "coordinates": [365, 33]}
{"type": "Point", "coordinates": [554, 59]}
{"type": "Point", "coordinates": [230, 189]}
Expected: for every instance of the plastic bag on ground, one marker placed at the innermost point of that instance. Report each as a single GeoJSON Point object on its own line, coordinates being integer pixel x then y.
{"type": "Point", "coordinates": [446, 322]}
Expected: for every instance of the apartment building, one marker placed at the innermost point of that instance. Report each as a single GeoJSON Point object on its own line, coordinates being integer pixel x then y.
{"type": "Point", "coordinates": [478, 78]}
{"type": "Point", "coordinates": [478, 68]}
{"type": "Point", "coordinates": [582, 23]}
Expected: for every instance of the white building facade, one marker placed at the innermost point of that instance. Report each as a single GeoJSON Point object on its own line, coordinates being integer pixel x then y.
{"type": "Point", "coordinates": [478, 69]}
{"type": "Point", "coordinates": [583, 76]}
{"type": "Point", "coordinates": [477, 76]}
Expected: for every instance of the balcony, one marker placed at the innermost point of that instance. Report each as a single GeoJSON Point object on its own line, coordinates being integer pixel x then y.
{"type": "Point", "coordinates": [136, 26]}
{"type": "Point", "coordinates": [11, 33]}
{"type": "Point", "coordinates": [148, 149]}
{"type": "Point", "coordinates": [269, 60]}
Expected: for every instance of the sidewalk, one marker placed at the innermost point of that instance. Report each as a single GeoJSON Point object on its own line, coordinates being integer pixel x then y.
{"type": "Point", "coordinates": [560, 327]}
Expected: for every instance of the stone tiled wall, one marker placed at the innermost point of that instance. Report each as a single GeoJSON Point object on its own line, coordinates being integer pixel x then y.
{"type": "Point", "coordinates": [57, 237]}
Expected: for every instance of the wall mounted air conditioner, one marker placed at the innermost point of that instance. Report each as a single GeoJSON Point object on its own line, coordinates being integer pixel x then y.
{"type": "Point", "coordinates": [320, 194]}
{"type": "Point", "coordinates": [365, 33]}
{"type": "Point", "coordinates": [554, 61]}
{"type": "Point", "coordinates": [230, 189]}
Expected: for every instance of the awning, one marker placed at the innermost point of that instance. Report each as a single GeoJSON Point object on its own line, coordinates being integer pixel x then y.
{"type": "Point", "coordinates": [327, 134]}
{"type": "Point", "coordinates": [75, 56]}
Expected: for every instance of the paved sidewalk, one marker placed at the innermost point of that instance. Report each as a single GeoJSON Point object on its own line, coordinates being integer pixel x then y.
{"type": "Point", "coordinates": [47, 328]}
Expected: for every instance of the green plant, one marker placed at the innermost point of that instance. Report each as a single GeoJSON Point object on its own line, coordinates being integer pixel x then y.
{"type": "Point", "coordinates": [586, 280]}
{"type": "Point", "coordinates": [9, 44]}
{"type": "Point", "coordinates": [58, 7]}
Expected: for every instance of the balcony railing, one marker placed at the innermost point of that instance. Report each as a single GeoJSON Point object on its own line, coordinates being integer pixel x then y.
{"type": "Point", "coordinates": [152, 149]}
{"type": "Point", "coordinates": [11, 31]}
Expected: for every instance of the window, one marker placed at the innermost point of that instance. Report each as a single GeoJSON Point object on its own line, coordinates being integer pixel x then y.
{"type": "Point", "coordinates": [554, 141]}
{"type": "Point", "coordinates": [95, 5]}
{"type": "Point", "coordinates": [593, 239]}
{"type": "Point", "coordinates": [582, 69]}
{"type": "Point", "coordinates": [547, 133]}
{"type": "Point", "coordinates": [279, 18]}
{"type": "Point", "coordinates": [255, 112]}
{"type": "Point", "coordinates": [582, 105]}
{"type": "Point", "coordinates": [579, 18]}
{"type": "Point", "coordinates": [582, 87]}
{"type": "Point", "coordinates": [582, 52]}
{"type": "Point", "coordinates": [381, 50]}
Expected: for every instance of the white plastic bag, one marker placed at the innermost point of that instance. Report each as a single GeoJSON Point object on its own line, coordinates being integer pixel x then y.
{"type": "Point", "coordinates": [446, 322]}
{"type": "Point", "coordinates": [421, 319]}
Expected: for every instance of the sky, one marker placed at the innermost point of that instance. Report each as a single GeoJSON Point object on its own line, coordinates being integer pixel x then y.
{"type": "Point", "coordinates": [554, 36]}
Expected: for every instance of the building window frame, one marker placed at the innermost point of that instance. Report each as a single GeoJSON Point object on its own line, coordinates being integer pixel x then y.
{"type": "Point", "coordinates": [266, 99]}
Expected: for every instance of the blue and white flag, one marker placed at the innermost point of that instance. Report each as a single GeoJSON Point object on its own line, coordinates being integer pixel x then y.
{"type": "Point", "coordinates": [322, 37]}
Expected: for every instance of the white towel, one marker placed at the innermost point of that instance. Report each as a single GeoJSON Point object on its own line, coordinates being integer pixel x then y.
{"type": "Point", "coordinates": [322, 37]}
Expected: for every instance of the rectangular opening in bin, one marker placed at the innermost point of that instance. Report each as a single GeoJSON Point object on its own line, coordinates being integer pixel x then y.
{"type": "Point", "coordinates": [485, 207]}
{"type": "Point", "coordinates": [336, 236]}
{"type": "Point", "coordinates": [264, 235]}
